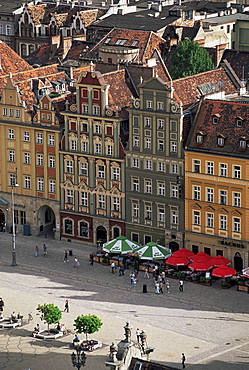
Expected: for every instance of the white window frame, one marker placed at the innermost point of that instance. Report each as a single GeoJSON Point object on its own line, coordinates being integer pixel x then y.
{"type": "Point", "coordinates": [84, 198]}
{"type": "Point", "coordinates": [26, 158]}
{"type": "Point", "coordinates": [39, 159]}
{"type": "Point", "coordinates": [135, 184]}
{"type": "Point", "coordinates": [161, 214]}
{"type": "Point", "coordinates": [236, 199]}
{"type": "Point", "coordinates": [148, 186]}
{"type": "Point", "coordinates": [223, 197]}
{"type": "Point", "coordinates": [69, 196]}
{"type": "Point", "coordinates": [69, 166]}
{"type": "Point", "coordinates": [52, 186]}
{"type": "Point", "coordinates": [39, 138]}
{"type": "Point", "coordinates": [196, 218]}
{"type": "Point", "coordinates": [236, 224]}
{"type": "Point", "coordinates": [210, 168]}
{"type": "Point", "coordinates": [148, 164]}
{"type": "Point", "coordinates": [209, 195]}
{"type": "Point", "coordinates": [236, 172]}
{"type": "Point", "coordinates": [26, 136]}
{"type": "Point", "coordinates": [101, 171]}
{"type": "Point", "coordinates": [83, 169]}
{"type": "Point", "coordinates": [51, 140]}
{"type": "Point", "coordinates": [223, 222]}
{"type": "Point", "coordinates": [196, 192]}
{"type": "Point", "coordinates": [40, 184]}
{"type": "Point", "coordinates": [11, 156]}
{"type": "Point", "coordinates": [27, 182]}
{"type": "Point", "coordinates": [115, 173]}
{"type": "Point", "coordinates": [135, 163]}
{"type": "Point", "coordinates": [101, 201]}
{"type": "Point", "coordinates": [173, 146]}
{"type": "Point", "coordinates": [223, 169]}
{"type": "Point", "coordinates": [210, 219]}
{"type": "Point", "coordinates": [161, 188]}
{"type": "Point", "coordinates": [11, 134]}
{"type": "Point", "coordinates": [51, 161]}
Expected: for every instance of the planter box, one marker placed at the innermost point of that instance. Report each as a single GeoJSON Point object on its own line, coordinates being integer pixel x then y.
{"type": "Point", "coordinates": [6, 324]}
{"type": "Point", "coordinates": [96, 258]}
{"type": "Point", "coordinates": [105, 263]}
{"type": "Point", "coordinates": [97, 343]}
{"type": "Point", "coordinates": [45, 335]}
{"type": "Point", "coordinates": [243, 288]}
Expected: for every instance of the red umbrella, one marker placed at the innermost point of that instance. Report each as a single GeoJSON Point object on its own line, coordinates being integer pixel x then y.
{"type": "Point", "coordinates": [200, 255]}
{"type": "Point", "coordinates": [223, 271]}
{"type": "Point", "coordinates": [245, 272]}
{"type": "Point", "coordinates": [177, 261]}
{"type": "Point", "coordinates": [220, 260]}
{"type": "Point", "coordinates": [183, 252]}
{"type": "Point", "coordinates": [201, 265]}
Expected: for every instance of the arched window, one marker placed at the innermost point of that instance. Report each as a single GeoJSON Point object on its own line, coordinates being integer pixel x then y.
{"type": "Point", "coordinates": [68, 226]}
{"type": "Point", "coordinates": [84, 229]}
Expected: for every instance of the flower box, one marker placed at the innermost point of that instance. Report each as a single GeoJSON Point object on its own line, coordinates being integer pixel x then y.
{"type": "Point", "coordinates": [243, 288]}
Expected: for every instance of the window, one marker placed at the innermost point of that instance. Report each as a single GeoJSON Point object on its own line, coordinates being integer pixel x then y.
{"type": "Point", "coordinates": [148, 187]}
{"type": "Point", "coordinates": [97, 129]}
{"type": "Point", "coordinates": [84, 147]}
{"type": "Point", "coordinates": [147, 143]}
{"type": "Point", "coordinates": [52, 162]}
{"type": "Point", "coordinates": [101, 172]}
{"type": "Point", "coordinates": [135, 162]}
{"type": "Point", "coordinates": [197, 218]}
{"type": "Point", "coordinates": [147, 122]}
{"type": "Point", "coordinates": [84, 127]}
{"type": "Point", "coordinates": [173, 146]}
{"type": "Point", "coordinates": [50, 139]}
{"type": "Point", "coordinates": [27, 182]}
{"type": "Point", "coordinates": [11, 112]}
{"type": "Point", "coordinates": [236, 224]}
{"type": "Point", "coordinates": [174, 191]}
{"type": "Point", "coordinates": [160, 188]}
{"type": "Point", "coordinates": [236, 199]}
{"type": "Point", "coordinates": [210, 168]}
{"type": "Point", "coordinates": [27, 158]}
{"type": "Point", "coordinates": [161, 214]}
{"type": "Point", "coordinates": [17, 113]}
{"type": "Point", "coordinates": [160, 145]}
{"type": "Point", "coordinates": [215, 120]}
{"type": "Point", "coordinates": [174, 217]}
{"type": "Point", "coordinates": [69, 196]}
{"type": "Point", "coordinates": [11, 134]}
{"type": "Point", "coordinates": [223, 197]}
{"type": "Point", "coordinates": [136, 141]}
{"type": "Point", "coordinates": [242, 144]}
{"type": "Point", "coordinates": [39, 138]}
{"type": "Point", "coordinates": [1, 29]}
{"type": "Point", "coordinates": [238, 122]}
{"type": "Point", "coordinates": [69, 227]}
{"type": "Point", "coordinates": [96, 110]}
{"type": "Point", "coordinates": [199, 139]}
{"type": "Point", "coordinates": [116, 203]}
{"type": "Point", "coordinates": [26, 136]}
{"type": "Point", "coordinates": [120, 42]}
{"type": "Point", "coordinates": [40, 184]}
{"type": "Point", "coordinates": [207, 250]}
{"type": "Point", "coordinates": [149, 104]}
{"type": "Point", "coordinates": [161, 167]}
{"type": "Point", "coordinates": [107, 40]}
{"type": "Point", "coordinates": [135, 184]}
{"type": "Point", "coordinates": [159, 105]}
{"type": "Point", "coordinates": [84, 198]}
{"type": "Point", "coordinates": [220, 141]}
{"type": "Point", "coordinates": [73, 145]}
{"type": "Point", "coordinates": [23, 217]}
{"type": "Point", "coordinates": [84, 229]}
{"type": "Point", "coordinates": [210, 195]}
{"type": "Point", "coordinates": [4, 111]}
{"type": "Point", "coordinates": [236, 172]}
{"type": "Point", "coordinates": [83, 169]}
{"type": "Point", "coordinates": [197, 193]}
{"type": "Point", "coordinates": [148, 212]}
{"type": "Point", "coordinates": [85, 109]}
{"type": "Point", "coordinates": [52, 186]}
{"type": "Point", "coordinates": [160, 124]}
{"type": "Point", "coordinates": [101, 201]}
{"type": "Point", "coordinates": [8, 30]}
{"type": "Point", "coordinates": [197, 166]}
{"type": "Point", "coordinates": [135, 210]}
{"type": "Point", "coordinates": [210, 220]}
{"type": "Point", "coordinates": [109, 150]}
{"type": "Point", "coordinates": [148, 165]}
{"type": "Point", "coordinates": [134, 43]}
{"type": "Point", "coordinates": [223, 222]}
{"type": "Point", "coordinates": [174, 168]}
{"type": "Point", "coordinates": [98, 148]}
{"type": "Point", "coordinates": [12, 180]}
{"type": "Point", "coordinates": [11, 156]}
{"type": "Point", "coordinates": [219, 252]}
{"type": "Point", "coordinates": [39, 160]}
{"type": "Point", "coordinates": [223, 169]}
{"type": "Point", "coordinates": [69, 166]}
{"type": "Point", "coordinates": [115, 173]}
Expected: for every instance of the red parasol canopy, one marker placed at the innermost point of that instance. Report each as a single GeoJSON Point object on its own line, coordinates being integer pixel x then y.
{"type": "Point", "coordinates": [223, 271]}
{"type": "Point", "coordinates": [202, 255]}
{"type": "Point", "coordinates": [183, 252]}
{"type": "Point", "coordinates": [220, 260]}
{"type": "Point", "coordinates": [201, 265]}
{"type": "Point", "coordinates": [245, 272]}
{"type": "Point", "coordinates": [177, 261]}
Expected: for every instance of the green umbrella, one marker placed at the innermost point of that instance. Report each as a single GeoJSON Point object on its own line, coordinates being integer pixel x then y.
{"type": "Point", "coordinates": [120, 245]}
{"type": "Point", "coordinates": [152, 251]}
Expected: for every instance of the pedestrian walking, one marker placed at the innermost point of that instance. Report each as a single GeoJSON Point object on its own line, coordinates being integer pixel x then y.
{"type": "Point", "coordinates": [76, 262]}
{"type": "Point", "coordinates": [37, 251]}
{"type": "Point", "coordinates": [163, 276]}
{"type": "Point", "coordinates": [45, 250]}
{"type": "Point", "coordinates": [181, 286]}
{"type": "Point", "coordinates": [66, 256]}
{"type": "Point", "coordinates": [113, 267]}
{"type": "Point", "coordinates": [54, 231]}
{"type": "Point", "coordinates": [122, 269]}
{"type": "Point", "coordinates": [138, 333]}
{"type": "Point", "coordinates": [132, 276]}
{"type": "Point", "coordinates": [1, 304]}
{"type": "Point", "coordinates": [120, 272]}
{"type": "Point", "coordinates": [66, 307]}
{"type": "Point", "coordinates": [134, 283]}
{"type": "Point", "coordinates": [161, 287]}
{"type": "Point", "coordinates": [167, 285]}
{"type": "Point", "coordinates": [183, 360]}
{"type": "Point", "coordinates": [91, 259]}
{"type": "Point", "coordinates": [146, 273]}
{"type": "Point", "coordinates": [157, 288]}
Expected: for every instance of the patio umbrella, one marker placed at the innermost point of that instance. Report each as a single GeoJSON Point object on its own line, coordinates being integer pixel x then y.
{"type": "Point", "coordinates": [183, 252]}
{"type": "Point", "coordinates": [201, 265]}
{"type": "Point", "coordinates": [120, 245]}
{"type": "Point", "coordinates": [152, 251]}
{"type": "Point", "coordinates": [177, 261]}
{"type": "Point", "coordinates": [220, 260]}
{"type": "Point", "coordinates": [245, 272]}
{"type": "Point", "coordinates": [223, 271]}
{"type": "Point", "coordinates": [198, 255]}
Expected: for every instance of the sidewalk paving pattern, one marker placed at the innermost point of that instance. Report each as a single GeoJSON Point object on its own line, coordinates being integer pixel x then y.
{"type": "Point", "coordinates": [208, 324]}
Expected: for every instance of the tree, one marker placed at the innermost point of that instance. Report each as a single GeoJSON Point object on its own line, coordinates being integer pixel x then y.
{"type": "Point", "coordinates": [87, 324]}
{"type": "Point", "coordinates": [50, 313]}
{"type": "Point", "coordinates": [189, 59]}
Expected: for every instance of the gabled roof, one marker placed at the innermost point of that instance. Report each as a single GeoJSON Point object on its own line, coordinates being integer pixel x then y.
{"type": "Point", "coordinates": [10, 61]}
{"type": "Point", "coordinates": [239, 61]}
{"type": "Point", "coordinates": [226, 128]}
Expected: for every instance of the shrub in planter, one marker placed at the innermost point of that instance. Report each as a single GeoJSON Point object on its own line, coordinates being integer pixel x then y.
{"type": "Point", "coordinates": [202, 280]}
{"type": "Point", "coordinates": [241, 282]}
{"type": "Point", "coordinates": [105, 261]}
{"type": "Point", "coordinates": [169, 273]}
{"type": "Point", "coordinates": [195, 279]}
{"type": "Point", "coordinates": [50, 313]}
{"type": "Point", "coordinates": [225, 285]}
{"type": "Point", "coordinates": [175, 274]}
{"type": "Point", "coordinates": [182, 275]}
{"type": "Point", "coordinates": [87, 324]}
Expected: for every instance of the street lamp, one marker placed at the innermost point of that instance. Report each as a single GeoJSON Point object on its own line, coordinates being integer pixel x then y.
{"type": "Point", "coordinates": [78, 359]}
{"type": "Point", "coordinates": [13, 227]}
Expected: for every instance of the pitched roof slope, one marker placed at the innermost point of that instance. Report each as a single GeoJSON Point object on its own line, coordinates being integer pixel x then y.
{"type": "Point", "coordinates": [239, 61]}
{"type": "Point", "coordinates": [10, 61]}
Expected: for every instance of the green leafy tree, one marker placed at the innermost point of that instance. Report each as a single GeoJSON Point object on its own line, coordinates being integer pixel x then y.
{"type": "Point", "coordinates": [87, 324]}
{"type": "Point", "coordinates": [50, 313]}
{"type": "Point", "coordinates": [189, 59]}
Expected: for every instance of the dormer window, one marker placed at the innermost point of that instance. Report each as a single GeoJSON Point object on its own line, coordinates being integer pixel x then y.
{"type": "Point", "coordinates": [199, 139]}
{"type": "Point", "coordinates": [120, 42]}
{"type": "Point", "coordinates": [215, 120]}
{"type": "Point", "coordinates": [134, 43]}
{"type": "Point", "coordinates": [242, 143]}
{"type": "Point", "coordinates": [239, 122]}
{"type": "Point", "coordinates": [107, 40]}
{"type": "Point", "coordinates": [221, 141]}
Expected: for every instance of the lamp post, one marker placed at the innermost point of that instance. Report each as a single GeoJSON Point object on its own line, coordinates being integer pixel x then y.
{"type": "Point", "coordinates": [13, 228]}
{"type": "Point", "coordinates": [78, 359]}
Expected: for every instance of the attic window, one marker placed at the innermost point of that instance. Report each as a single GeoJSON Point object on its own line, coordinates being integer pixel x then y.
{"type": "Point", "coordinates": [242, 143]}
{"type": "Point", "coordinates": [107, 40]}
{"type": "Point", "coordinates": [239, 122]}
{"type": "Point", "coordinates": [120, 42]}
{"type": "Point", "coordinates": [215, 120]}
{"type": "Point", "coordinates": [221, 141]}
{"type": "Point", "coordinates": [199, 139]}
{"type": "Point", "coordinates": [134, 43]}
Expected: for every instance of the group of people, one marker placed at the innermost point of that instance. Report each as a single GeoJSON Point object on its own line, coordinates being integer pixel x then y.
{"type": "Point", "coordinates": [85, 345]}
{"type": "Point", "coordinates": [45, 251]}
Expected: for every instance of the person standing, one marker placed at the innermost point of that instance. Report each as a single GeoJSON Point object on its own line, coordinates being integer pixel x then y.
{"type": "Point", "coordinates": [1, 305]}
{"type": "Point", "coordinates": [134, 283]}
{"type": "Point", "coordinates": [65, 256]}
{"type": "Point", "coordinates": [37, 251]}
{"type": "Point", "coordinates": [146, 273]}
{"type": "Point", "coordinates": [45, 250]}
{"type": "Point", "coordinates": [91, 259]}
{"type": "Point", "coordinates": [138, 332]}
{"type": "Point", "coordinates": [167, 285]}
{"type": "Point", "coordinates": [181, 286]}
{"type": "Point", "coordinates": [66, 307]}
{"type": "Point", "coordinates": [163, 276]}
{"type": "Point", "coordinates": [54, 231]}
{"type": "Point", "coordinates": [160, 286]}
{"type": "Point", "coordinates": [76, 262]}
{"type": "Point", "coordinates": [183, 360]}
{"type": "Point", "coordinates": [113, 267]}
{"type": "Point", "coordinates": [157, 288]}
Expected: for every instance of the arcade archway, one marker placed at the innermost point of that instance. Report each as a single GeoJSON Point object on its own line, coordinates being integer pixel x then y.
{"type": "Point", "coordinates": [174, 246]}
{"type": "Point", "coordinates": [46, 221]}
{"type": "Point", "coordinates": [101, 233]}
{"type": "Point", "coordinates": [238, 262]}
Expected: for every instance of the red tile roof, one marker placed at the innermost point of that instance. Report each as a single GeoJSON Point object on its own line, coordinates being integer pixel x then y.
{"type": "Point", "coordinates": [11, 62]}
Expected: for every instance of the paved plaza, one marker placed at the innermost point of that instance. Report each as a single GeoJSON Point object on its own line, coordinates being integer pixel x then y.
{"type": "Point", "coordinates": [208, 324]}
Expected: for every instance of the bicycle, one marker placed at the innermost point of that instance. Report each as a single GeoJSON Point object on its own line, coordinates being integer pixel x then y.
{"type": "Point", "coordinates": [30, 317]}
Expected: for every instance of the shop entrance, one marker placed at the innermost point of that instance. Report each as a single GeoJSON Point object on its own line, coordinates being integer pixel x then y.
{"type": "Point", "coordinates": [46, 221]}
{"type": "Point", "coordinates": [174, 246]}
{"type": "Point", "coordinates": [238, 262]}
{"type": "Point", "coordinates": [101, 233]}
